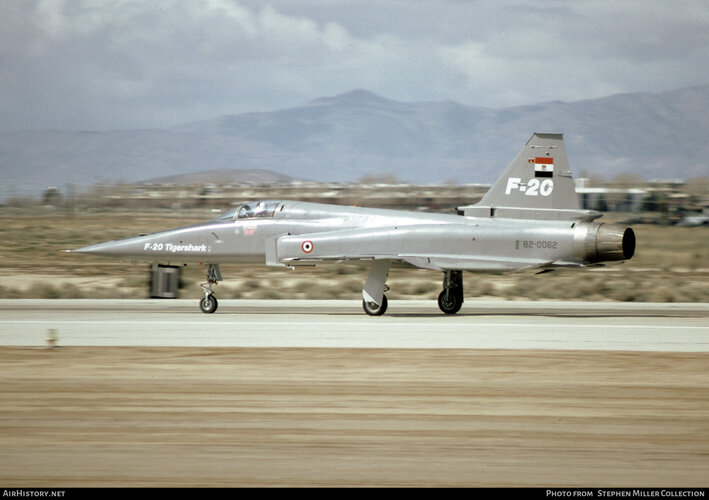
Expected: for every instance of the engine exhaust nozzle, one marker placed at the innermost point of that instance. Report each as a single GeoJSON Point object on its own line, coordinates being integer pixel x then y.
{"type": "Point", "coordinates": [607, 242]}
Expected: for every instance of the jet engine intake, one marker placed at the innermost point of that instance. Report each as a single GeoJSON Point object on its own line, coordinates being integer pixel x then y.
{"type": "Point", "coordinates": [604, 242]}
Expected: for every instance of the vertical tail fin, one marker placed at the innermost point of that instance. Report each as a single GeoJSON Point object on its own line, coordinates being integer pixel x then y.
{"type": "Point", "coordinates": [537, 185]}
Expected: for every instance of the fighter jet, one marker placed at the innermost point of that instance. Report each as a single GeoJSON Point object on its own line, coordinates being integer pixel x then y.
{"type": "Point", "coordinates": [530, 219]}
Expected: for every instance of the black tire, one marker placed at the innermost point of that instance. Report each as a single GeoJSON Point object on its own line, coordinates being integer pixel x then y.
{"type": "Point", "coordinates": [208, 304]}
{"type": "Point", "coordinates": [373, 309]}
{"type": "Point", "coordinates": [450, 303]}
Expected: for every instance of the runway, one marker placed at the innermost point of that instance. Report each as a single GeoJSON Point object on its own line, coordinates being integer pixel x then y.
{"type": "Point", "coordinates": [342, 324]}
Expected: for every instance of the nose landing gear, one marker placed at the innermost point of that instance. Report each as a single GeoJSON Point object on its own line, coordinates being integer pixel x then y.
{"type": "Point", "coordinates": [209, 303]}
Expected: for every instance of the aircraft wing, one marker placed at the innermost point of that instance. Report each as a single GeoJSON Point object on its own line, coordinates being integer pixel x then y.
{"type": "Point", "coordinates": [473, 263]}
{"type": "Point", "coordinates": [426, 246]}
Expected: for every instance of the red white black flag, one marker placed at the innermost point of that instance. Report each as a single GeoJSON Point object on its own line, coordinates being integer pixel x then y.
{"type": "Point", "coordinates": [543, 166]}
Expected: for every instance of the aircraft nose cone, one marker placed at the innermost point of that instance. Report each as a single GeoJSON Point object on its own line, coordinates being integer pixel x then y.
{"type": "Point", "coordinates": [121, 248]}
{"type": "Point", "coordinates": [98, 249]}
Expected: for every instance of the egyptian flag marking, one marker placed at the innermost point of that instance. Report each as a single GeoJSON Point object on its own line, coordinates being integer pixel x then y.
{"type": "Point", "coordinates": [543, 166]}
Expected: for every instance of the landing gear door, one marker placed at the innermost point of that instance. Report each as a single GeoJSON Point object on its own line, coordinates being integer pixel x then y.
{"type": "Point", "coordinates": [272, 252]}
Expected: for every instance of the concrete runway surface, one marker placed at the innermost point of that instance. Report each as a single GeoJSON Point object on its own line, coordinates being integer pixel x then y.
{"type": "Point", "coordinates": [316, 393]}
{"type": "Point", "coordinates": [341, 323]}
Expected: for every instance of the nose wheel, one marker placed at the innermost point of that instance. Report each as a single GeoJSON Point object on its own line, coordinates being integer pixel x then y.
{"type": "Point", "coordinates": [208, 304]}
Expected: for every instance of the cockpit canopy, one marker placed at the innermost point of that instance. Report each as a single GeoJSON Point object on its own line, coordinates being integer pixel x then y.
{"type": "Point", "coordinates": [252, 210]}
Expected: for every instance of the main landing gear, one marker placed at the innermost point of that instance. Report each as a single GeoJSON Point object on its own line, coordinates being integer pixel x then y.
{"type": "Point", "coordinates": [374, 302]}
{"type": "Point", "coordinates": [451, 298]}
{"type": "Point", "coordinates": [209, 303]}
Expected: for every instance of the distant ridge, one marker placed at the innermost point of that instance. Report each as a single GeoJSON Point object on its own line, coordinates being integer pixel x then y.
{"type": "Point", "coordinates": [230, 176]}
{"type": "Point", "coordinates": [345, 137]}
{"type": "Point", "coordinates": [354, 97]}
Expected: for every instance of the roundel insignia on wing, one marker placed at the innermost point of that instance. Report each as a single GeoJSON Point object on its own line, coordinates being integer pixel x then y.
{"type": "Point", "coordinates": [307, 246]}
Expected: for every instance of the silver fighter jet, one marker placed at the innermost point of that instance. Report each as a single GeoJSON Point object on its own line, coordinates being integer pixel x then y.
{"type": "Point", "coordinates": [530, 219]}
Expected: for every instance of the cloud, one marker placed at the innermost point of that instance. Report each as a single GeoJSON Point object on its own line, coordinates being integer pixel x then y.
{"type": "Point", "coordinates": [126, 64]}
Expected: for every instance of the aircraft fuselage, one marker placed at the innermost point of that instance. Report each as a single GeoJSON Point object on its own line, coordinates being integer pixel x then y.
{"type": "Point", "coordinates": [435, 241]}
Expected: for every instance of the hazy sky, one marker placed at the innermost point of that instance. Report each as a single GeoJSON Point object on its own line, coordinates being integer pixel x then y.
{"type": "Point", "coordinates": [115, 64]}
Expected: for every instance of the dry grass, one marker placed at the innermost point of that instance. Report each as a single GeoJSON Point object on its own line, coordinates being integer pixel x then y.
{"type": "Point", "coordinates": [671, 265]}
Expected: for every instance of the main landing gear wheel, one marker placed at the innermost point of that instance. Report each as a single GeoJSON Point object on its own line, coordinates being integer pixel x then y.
{"type": "Point", "coordinates": [451, 298]}
{"type": "Point", "coordinates": [373, 309]}
{"type": "Point", "coordinates": [208, 304]}
{"type": "Point", "coordinates": [449, 302]}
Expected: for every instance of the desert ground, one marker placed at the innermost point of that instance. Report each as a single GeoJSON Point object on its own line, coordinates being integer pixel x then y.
{"type": "Point", "coordinates": [192, 417]}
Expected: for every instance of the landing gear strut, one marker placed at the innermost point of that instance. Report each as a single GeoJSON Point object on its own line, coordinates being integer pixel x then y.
{"type": "Point", "coordinates": [209, 303]}
{"type": "Point", "coordinates": [451, 298]}
{"type": "Point", "coordinates": [374, 302]}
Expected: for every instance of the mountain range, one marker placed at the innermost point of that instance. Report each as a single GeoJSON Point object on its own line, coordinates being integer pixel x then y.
{"type": "Point", "coordinates": [348, 136]}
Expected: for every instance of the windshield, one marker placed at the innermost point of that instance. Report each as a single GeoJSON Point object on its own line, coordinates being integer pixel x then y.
{"type": "Point", "coordinates": [229, 215]}
{"type": "Point", "coordinates": [256, 209]}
